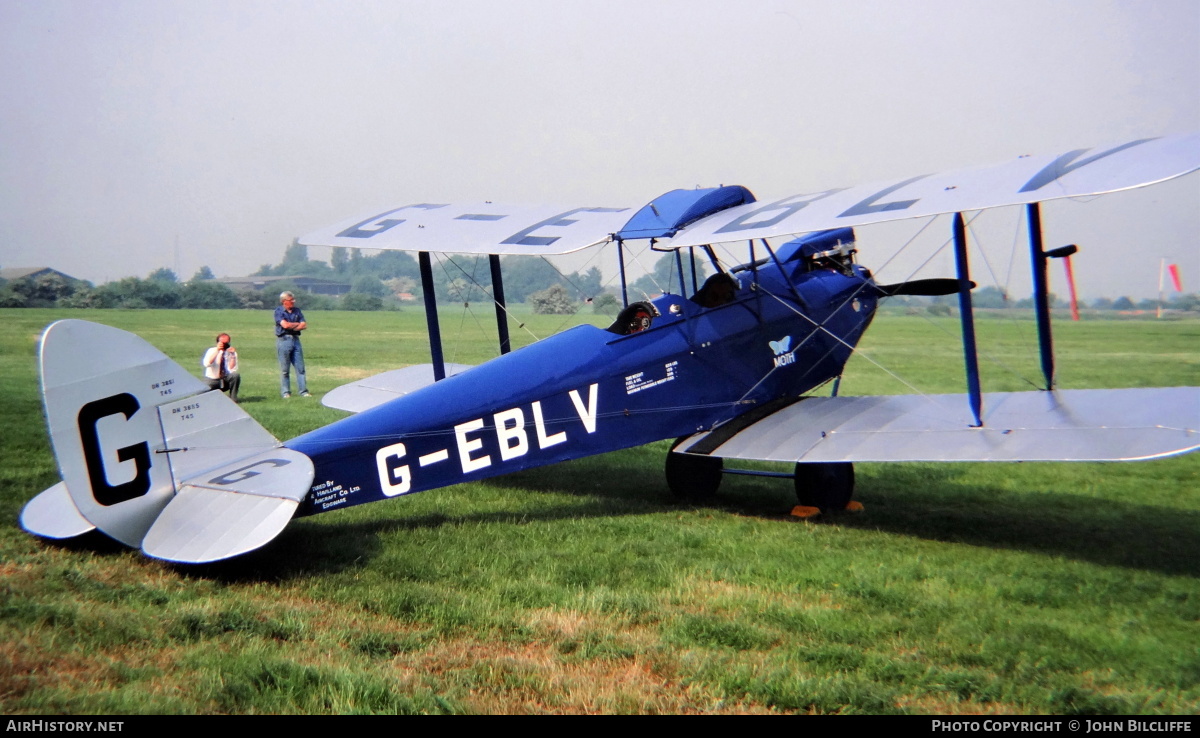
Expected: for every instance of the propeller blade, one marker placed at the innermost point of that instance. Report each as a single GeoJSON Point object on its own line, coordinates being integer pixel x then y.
{"type": "Point", "coordinates": [926, 287]}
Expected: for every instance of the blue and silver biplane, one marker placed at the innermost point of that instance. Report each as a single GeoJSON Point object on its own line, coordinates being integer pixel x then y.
{"type": "Point", "coordinates": [150, 456]}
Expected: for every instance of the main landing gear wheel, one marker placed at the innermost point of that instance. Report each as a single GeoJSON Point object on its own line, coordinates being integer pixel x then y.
{"type": "Point", "coordinates": [826, 486]}
{"type": "Point", "coordinates": [693, 478]}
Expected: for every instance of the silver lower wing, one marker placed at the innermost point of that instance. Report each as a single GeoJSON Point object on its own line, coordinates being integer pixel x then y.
{"type": "Point", "coordinates": [1063, 425]}
{"type": "Point", "coordinates": [365, 394]}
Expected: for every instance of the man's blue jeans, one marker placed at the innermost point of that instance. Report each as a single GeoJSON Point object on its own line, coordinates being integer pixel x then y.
{"type": "Point", "coordinates": [290, 354]}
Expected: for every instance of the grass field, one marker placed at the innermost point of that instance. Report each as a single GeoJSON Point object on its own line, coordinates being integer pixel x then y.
{"type": "Point", "coordinates": [584, 587]}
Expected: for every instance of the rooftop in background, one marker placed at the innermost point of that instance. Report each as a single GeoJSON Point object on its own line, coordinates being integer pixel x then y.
{"type": "Point", "coordinates": [314, 285]}
{"type": "Point", "coordinates": [13, 273]}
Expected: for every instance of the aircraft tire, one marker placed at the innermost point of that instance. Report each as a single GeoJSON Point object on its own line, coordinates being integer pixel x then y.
{"type": "Point", "coordinates": [829, 486]}
{"type": "Point", "coordinates": [693, 478]}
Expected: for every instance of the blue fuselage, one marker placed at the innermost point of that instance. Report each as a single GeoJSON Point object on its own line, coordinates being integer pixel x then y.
{"type": "Point", "coordinates": [587, 391]}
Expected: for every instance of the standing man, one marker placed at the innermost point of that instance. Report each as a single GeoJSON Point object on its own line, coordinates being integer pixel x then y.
{"type": "Point", "coordinates": [289, 321]}
{"type": "Point", "coordinates": [221, 367]}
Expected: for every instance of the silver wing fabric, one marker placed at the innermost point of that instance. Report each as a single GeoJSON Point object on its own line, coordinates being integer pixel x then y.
{"type": "Point", "coordinates": [365, 394]}
{"type": "Point", "coordinates": [1027, 179]}
{"type": "Point", "coordinates": [1062, 425]}
{"type": "Point", "coordinates": [492, 228]}
{"type": "Point", "coordinates": [477, 228]}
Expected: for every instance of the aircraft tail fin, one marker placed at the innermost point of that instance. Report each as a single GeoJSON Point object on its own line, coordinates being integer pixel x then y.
{"type": "Point", "coordinates": [138, 440]}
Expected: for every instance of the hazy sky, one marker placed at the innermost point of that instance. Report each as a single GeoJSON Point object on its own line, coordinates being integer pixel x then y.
{"type": "Point", "coordinates": [145, 133]}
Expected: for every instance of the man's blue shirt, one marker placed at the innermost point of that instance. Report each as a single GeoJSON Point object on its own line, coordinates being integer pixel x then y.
{"type": "Point", "coordinates": [292, 316]}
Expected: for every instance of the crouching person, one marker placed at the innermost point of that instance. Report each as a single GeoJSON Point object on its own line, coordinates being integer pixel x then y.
{"type": "Point", "coordinates": [221, 367]}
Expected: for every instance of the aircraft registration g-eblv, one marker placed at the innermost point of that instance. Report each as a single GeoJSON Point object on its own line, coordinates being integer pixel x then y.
{"type": "Point", "coordinates": [149, 456]}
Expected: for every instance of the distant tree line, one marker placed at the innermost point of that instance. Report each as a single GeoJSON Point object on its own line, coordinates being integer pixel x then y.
{"type": "Point", "coordinates": [389, 279]}
{"type": "Point", "coordinates": [995, 299]}
{"type": "Point", "coordinates": [381, 281]}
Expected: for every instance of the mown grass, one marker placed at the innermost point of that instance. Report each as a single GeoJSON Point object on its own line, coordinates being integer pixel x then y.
{"type": "Point", "coordinates": [1009, 588]}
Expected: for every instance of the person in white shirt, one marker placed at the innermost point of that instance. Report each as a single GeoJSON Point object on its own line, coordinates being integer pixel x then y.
{"type": "Point", "coordinates": [221, 367]}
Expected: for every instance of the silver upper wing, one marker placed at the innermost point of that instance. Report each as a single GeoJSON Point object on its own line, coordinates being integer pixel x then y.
{"type": "Point", "coordinates": [476, 228]}
{"type": "Point", "coordinates": [1027, 179]}
{"type": "Point", "coordinates": [493, 228]}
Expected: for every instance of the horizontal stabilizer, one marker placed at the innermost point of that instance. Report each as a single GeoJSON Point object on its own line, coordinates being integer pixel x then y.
{"type": "Point", "coordinates": [52, 514]}
{"type": "Point", "coordinates": [1063, 425]}
{"type": "Point", "coordinates": [206, 431]}
{"type": "Point", "coordinates": [231, 510]}
{"type": "Point", "coordinates": [367, 393]}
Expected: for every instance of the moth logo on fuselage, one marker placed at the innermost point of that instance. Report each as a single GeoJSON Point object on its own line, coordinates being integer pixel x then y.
{"type": "Point", "coordinates": [783, 351]}
{"type": "Point", "coordinates": [512, 434]}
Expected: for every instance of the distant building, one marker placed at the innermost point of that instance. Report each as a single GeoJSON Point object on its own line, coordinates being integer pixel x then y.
{"type": "Point", "coordinates": [11, 274]}
{"type": "Point", "coordinates": [309, 284]}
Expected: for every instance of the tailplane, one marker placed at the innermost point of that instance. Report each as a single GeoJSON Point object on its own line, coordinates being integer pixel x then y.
{"type": "Point", "coordinates": [152, 457]}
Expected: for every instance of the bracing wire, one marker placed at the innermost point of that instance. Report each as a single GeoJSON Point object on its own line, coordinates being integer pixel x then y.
{"type": "Point", "coordinates": [1012, 319]}
{"type": "Point", "coordinates": [928, 222]}
{"type": "Point", "coordinates": [853, 349]}
{"type": "Point", "coordinates": [1030, 352]}
{"type": "Point", "coordinates": [573, 314]}
{"type": "Point", "coordinates": [466, 302]}
{"type": "Point", "coordinates": [986, 355]}
{"type": "Point", "coordinates": [1012, 254]}
{"type": "Point", "coordinates": [507, 314]}
{"type": "Point", "coordinates": [649, 271]}
{"type": "Point", "coordinates": [983, 354]}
